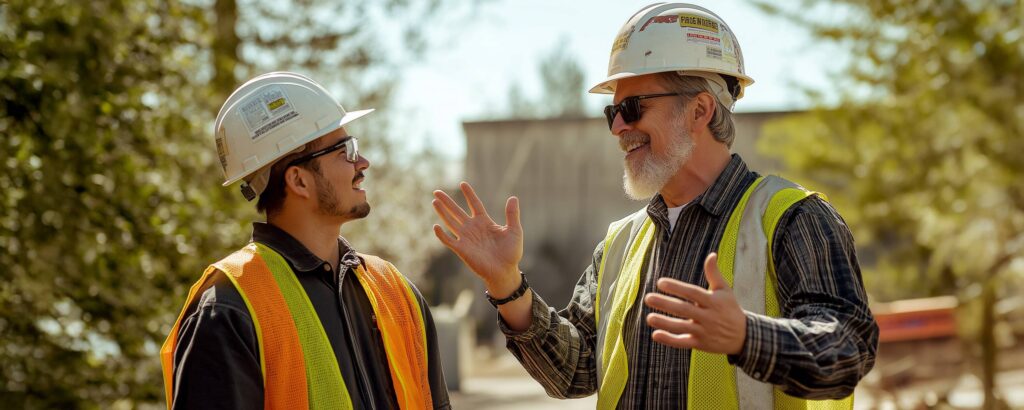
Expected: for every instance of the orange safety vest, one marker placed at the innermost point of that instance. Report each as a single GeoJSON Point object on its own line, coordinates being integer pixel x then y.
{"type": "Point", "coordinates": [299, 368]}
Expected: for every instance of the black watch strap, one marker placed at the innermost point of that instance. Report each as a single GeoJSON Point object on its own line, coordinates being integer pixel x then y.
{"type": "Point", "coordinates": [523, 287]}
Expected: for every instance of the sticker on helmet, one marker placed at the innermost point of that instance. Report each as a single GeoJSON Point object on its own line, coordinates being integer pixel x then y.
{"type": "Point", "coordinates": [268, 109]}
{"type": "Point", "coordinates": [622, 40]}
{"type": "Point", "coordinates": [703, 38]}
{"type": "Point", "coordinates": [714, 52]}
{"type": "Point", "coordinates": [699, 22]}
{"type": "Point", "coordinates": [222, 151]}
{"type": "Point", "coordinates": [660, 20]}
{"type": "Point", "coordinates": [727, 41]}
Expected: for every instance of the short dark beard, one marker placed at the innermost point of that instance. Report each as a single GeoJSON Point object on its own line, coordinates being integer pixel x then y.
{"type": "Point", "coordinates": [327, 200]}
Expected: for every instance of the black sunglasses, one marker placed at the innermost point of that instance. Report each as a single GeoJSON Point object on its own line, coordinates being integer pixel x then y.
{"type": "Point", "coordinates": [629, 107]}
{"type": "Point", "coordinates": [350, 144]}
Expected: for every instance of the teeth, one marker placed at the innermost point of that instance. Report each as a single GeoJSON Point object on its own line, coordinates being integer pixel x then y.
{"type": "Point", "coordinates": [356, 184]}
{"type": "Point", "coordinates": [634, 146]}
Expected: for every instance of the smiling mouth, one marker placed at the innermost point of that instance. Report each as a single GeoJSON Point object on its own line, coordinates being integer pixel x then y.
{"type": "Point", "coordinates": [631, 147]}
{"type": "Point", "coordinates": [357, 181]}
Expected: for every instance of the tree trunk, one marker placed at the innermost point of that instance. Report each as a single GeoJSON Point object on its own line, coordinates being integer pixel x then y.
{"type": "Point", "coordinates": [988, 344]}
{"type": "Point", "coordinates": [225, 48]}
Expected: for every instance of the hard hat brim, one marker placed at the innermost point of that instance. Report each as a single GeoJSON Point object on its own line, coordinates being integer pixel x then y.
{"type": "Point", "coordinates": [607, 86]}
{"type": "Point", "coordinates": [352, 116]}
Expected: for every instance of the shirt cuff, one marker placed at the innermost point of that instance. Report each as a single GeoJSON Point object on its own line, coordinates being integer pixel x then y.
{"type": "Point", "coordinates": [759, 355]}
{"type": "Point", "coordinates": [538, 325]}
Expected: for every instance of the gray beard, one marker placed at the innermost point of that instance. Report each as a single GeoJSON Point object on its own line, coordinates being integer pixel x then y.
{"type": "Point", "coordinates": [644, 178]}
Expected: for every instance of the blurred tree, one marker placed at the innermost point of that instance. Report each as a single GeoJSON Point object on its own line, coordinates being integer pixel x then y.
{"type": "Point", "coordinates": [562, 78]}
{"type": "Point", "coordinates": [562, 88]}
{"type": "Point", "coordinates": [111, 204]}
{"type": "Point", "coordinates": [103, 133]}
{"type": "Point", "coordinates": [924, 152]}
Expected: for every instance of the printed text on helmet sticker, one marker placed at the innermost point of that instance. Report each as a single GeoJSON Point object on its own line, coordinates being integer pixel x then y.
{"type": "Point", "coordinates": [266, 110]}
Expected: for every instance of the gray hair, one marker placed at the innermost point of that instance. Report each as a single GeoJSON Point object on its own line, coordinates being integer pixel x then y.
{"type": "Point", "coordinates": [721, 125]}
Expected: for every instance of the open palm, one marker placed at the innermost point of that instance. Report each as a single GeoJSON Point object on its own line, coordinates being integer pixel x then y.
{"type": "Point", "coordinates": [492, 251]}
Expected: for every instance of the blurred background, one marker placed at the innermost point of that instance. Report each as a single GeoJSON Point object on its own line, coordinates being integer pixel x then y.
{"type": "Point", "coordinates": [909, 115]}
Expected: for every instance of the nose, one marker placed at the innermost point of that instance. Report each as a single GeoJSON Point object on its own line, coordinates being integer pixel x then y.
{"type": "Point", "coordinates": [619, 125]}
{"type": "Point", "coordinates": [362, 163]}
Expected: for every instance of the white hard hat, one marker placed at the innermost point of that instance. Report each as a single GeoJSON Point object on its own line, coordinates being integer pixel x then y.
{"type": "Point", "coordinates": [271, 116]}
{"type": "Point", "coordinates": [680, 37]}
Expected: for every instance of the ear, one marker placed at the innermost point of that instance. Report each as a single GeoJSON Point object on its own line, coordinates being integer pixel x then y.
{"type": "Point", "coordinates": [298, 182]}
{"type": "Point", "coordinates": [704, 110]}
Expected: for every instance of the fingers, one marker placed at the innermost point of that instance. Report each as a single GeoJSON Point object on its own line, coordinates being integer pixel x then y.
{"type": "Point", "coordinates": [512, 214]}
{"type": "Point", "coordinates": [446, 239]}
{"type": "Point", "coordinates": [674, 306]}
{"type": "Point", "coordinates": [672, 324]}
{"type": "Point", "coordinates": [449, 221]}
{"type": "Point", "coordinates": [684, 290]}
{"type": "Point", "coordinates": [715, 279]}
{"type": "Point", "coordinates": [448, 205]}
{"type": "Point", "coordinates": [683, 341]}
{"type": "Point", "coordinates": [475, 205]}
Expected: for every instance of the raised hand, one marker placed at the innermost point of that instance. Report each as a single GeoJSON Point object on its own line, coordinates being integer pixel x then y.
{"type": "Point", "coordinates": [492, 251]}
{"type": "Point", "coordinates": [706, 319]}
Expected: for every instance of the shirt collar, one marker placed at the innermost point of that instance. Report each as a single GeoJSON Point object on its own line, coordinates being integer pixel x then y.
{"type": "Point", "coordinates": [719, 197]}
{"type": "Point", "coordinates": [293, 251]}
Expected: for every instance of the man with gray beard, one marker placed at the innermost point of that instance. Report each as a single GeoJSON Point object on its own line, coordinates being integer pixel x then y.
{"type": "Point", "coordinates": [728, 290]}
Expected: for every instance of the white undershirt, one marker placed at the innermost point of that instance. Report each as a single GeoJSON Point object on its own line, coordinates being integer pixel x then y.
{"type": "Point", "coordinates": [673, 214]}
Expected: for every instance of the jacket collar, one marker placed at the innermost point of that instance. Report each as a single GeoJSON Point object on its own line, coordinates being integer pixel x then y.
{"type": "Point", "coordinates": [718, 198]}
{"type": "Point", "coordinates": [293, 251]}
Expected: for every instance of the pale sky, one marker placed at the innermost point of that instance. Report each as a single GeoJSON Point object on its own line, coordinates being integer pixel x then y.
{"type": "Point", "coordinates": [502, 45]}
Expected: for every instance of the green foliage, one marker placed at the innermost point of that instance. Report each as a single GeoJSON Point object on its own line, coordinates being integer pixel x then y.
{"type": "Point", "coordinates": [102, 212]}
{"type": "Point", "coordinates": [924, 153]}
{"type": "Point", "coordinates": [110, 191]}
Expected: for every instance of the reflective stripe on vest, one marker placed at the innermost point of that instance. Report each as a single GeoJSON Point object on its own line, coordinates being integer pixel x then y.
{"type": "Point", "coordinates": [298, 365]}
{"type": "Point", "coordinates": [745, 248]}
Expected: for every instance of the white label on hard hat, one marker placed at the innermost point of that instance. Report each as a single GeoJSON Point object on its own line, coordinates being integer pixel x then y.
{"type": "Point", "coordinates": [269, 108]}
{"type": "Point", "coordinates": [714, 52]}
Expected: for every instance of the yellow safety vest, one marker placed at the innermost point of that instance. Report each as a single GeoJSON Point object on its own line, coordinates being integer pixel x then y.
{"type": "Point", "coordinates": [744, 254]}
{"type": "Point", "coordinates": [298, 364]}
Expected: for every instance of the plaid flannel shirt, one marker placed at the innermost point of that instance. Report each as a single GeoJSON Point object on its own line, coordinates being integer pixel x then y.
{"type": "Point", "coordinates": [823, 344]}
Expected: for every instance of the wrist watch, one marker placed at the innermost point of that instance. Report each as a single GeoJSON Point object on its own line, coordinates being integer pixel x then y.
{"type": "Point", "coordinates": [523, 287]}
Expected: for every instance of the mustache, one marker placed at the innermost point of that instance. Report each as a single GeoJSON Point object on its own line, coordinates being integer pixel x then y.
{"type": "Point", "coordinates": [632, 137]}
{"type": "Point", "coordinates": [358, 176]}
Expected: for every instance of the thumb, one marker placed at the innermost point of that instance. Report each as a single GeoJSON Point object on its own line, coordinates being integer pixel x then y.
{"type": "Point", "coordinates": [512, 214]}
{"type": "Point", "coordinates": [715, 279]}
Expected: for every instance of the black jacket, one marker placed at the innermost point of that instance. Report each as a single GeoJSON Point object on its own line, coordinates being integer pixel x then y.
{"type": "Point", "coordinates": [217, 362]}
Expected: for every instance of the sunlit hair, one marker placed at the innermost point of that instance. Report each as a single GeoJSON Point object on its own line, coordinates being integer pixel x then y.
{"type": "Point", "coordinates": [721, 125]}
